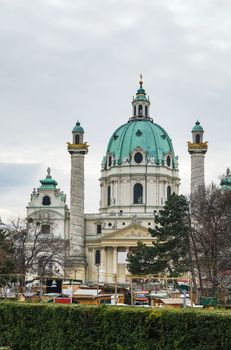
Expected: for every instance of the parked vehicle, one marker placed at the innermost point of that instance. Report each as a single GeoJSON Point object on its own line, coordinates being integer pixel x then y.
{"type": "Point", "coordinates": [141, 297]}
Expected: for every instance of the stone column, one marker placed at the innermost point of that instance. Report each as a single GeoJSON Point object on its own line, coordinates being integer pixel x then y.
{"type": "Point", "coordinates": [76, 262]}
{"type": "Point", "coordinates": [197, 171]}
{"type": "Point", "coordinates": [115, 256]}
{"type": "Point", "coordinates": [197, 148]}
{"type": "Point", "coordinates": [103, 265]}
{"type": "Point", "coordinates": [77, 207]}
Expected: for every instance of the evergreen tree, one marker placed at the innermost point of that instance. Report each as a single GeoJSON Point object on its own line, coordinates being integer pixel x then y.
{"type": "Point", "coordinates": [170, 252]}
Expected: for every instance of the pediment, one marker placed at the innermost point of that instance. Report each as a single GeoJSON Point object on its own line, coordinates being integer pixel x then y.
{"type": "Point", "coordinates": [136, 232]}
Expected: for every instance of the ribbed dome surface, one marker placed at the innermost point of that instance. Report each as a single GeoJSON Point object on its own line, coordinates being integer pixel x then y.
{"type": "Point", "coordinates": [149, 136]}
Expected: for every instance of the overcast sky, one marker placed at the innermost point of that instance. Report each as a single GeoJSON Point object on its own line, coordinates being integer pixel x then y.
{"type": "Point", "coordinates": [68, 60]}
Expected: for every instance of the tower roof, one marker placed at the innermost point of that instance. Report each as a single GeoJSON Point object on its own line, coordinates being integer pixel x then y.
{"type": "Point", "coordinates": [48, 183]}
{"type": "Point", "coordinates": [226, 180]}
{"type": "Point", "coordinates": [197, 127]}
{"type": "Point", "coordinates": [141, 94]}
{"type": "Point", "coordinates": [78, 128]}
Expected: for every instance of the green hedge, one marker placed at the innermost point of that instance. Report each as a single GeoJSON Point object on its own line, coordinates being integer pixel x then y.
{"type": "Point", "coordinates": [64, 327]}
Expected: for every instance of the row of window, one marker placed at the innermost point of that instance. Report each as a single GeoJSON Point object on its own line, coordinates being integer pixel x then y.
{"type": "Point", "coordinates": [138, 158]}
{"type": "Point", "coordinates": [142, 111]}
{"type": "Point", "coordinates": [122, 256]}
{"type": "Point", "coordinates": [137, 194]}
{"type": "Point", "coordinates": [99, 227]}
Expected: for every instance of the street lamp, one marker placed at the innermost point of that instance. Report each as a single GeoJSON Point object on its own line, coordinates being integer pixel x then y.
{"type": "Point", "coordinates": [115, 276]}
{"type": "Point", "coordinates": [97, 267]}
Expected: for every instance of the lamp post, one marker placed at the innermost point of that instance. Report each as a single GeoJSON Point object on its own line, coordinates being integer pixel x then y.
{"type": "Point", "coordinates": [97, 267]}
{"type": "Point", "coordinates": [115, 276]}
{"type": "Point", "coordinates": [132, 299]}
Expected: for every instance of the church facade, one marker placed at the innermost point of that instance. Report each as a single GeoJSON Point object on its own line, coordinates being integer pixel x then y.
{"type": "Point", "coordinates": [139, 171]}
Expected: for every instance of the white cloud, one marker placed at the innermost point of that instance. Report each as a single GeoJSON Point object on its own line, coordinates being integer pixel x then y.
{"type": "Point", "coordinates": [67, 60]}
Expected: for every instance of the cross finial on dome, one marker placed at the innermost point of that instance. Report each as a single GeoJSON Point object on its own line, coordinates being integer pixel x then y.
{"type": "Point", "coordinates": [141, 80]}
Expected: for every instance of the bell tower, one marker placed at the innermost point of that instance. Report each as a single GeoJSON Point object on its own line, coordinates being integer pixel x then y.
{"type": "Point", "coordinates": [197, 148]}
{"type": "Point", "coordinates": [76, 260]}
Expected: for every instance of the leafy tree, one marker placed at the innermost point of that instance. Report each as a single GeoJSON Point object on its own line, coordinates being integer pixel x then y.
{"type": "Point", "coordinates": [211, 236]}
{"type": "Point", "coordinates": [170, 252]}
{"type": "Point", "coordinates": [37, 250]}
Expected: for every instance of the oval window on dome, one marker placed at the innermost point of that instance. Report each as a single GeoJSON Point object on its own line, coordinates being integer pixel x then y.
{"type": "Point", "coordinates": [138, 157]}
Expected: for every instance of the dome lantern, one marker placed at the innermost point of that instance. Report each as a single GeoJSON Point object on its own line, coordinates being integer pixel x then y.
{"type": "Point", "coordinates": [140, 103]}
{"type": "Point", "coordinates": [197, 133]}
{"type": "Point", "coordinates": [78, 133]}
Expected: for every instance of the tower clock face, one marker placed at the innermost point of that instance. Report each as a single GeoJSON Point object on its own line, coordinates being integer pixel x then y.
{"type": "Point", "coordinates": [138, 157]}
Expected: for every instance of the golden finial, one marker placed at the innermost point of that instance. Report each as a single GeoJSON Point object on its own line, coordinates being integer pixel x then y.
{"type": "Point", "coordinates": [141, 80]}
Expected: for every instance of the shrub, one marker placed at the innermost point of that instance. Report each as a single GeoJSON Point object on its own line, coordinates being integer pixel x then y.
{"type": "Point", "coordinates": [70, 327]}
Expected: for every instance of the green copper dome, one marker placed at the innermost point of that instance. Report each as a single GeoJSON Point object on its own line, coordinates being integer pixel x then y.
{"type": "Point", "coordinates": [226, 181]}
{"type": "Point", "coordinates": [140, 133]}
{"type": "Point", "coordinates": [78, 128]}
{"type": "Point", "coordinates": [48, 183]}
{"type": "Point", "coordinates": [197, 127]}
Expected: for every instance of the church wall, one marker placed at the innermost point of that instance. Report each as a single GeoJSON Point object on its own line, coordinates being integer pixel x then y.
{"type": "Point", "coordinates": [37, 199]}
{"type": "Point", "coordinates": [122, 188]}
{"type": "Point", "coordinates": [90, 260]}
{"type": "Point", "coordinates": [109, 264]}
{"type": "Point", "coordinates": [56, 218]}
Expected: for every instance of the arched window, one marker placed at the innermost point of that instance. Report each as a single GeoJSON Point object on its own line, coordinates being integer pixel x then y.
{"type": "Point", "coordinates": [46, 200]}
{"type": "Point", "coordinates": [45, 229]}
{"type": "Point", "coordinates": [168, 160]}
{"type": "Point", "coordinates": [169, 192]}
{"type": "Point", "coordinates": [198, 138]}
{"type": "Point", "coordinates": [97, 257]}
{"type": "Point", "coordinates": [109, 161]}
{"type": "Point", "coordinates": [140, 109]}
{"type": "Point", "coordinates": [76, 139]}
{"type": "Point", "coordinates": [99, 228]}
{"type": "Point", "coordinates": [138, 194]}
{"type": "Point", "coordinates": [134, 111]}
{"type": "Point", "coordinates": [109, 195]}
{"type": "Point", "coordinates": [146, 111]}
